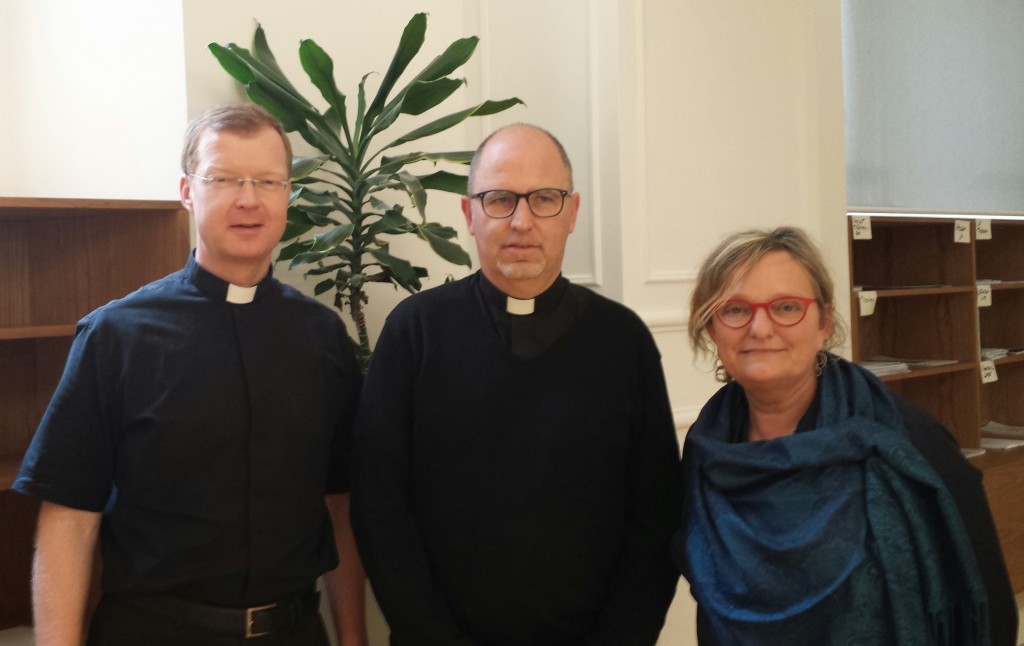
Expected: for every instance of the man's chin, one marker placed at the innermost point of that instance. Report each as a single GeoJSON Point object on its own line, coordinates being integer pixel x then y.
{"type": "Point", "coordinates": [521, 270]}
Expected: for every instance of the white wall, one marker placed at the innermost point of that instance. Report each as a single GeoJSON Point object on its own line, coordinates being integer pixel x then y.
{"type": "Point", "coordinates": [93, 98]}
{"type": "Point", "coordinates": [685, 120]}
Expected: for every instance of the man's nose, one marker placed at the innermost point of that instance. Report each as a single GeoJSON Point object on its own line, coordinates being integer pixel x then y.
{"type": "Point", "coordinates": [522, 216]}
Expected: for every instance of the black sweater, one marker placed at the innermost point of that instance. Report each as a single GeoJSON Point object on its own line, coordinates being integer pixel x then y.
{"type": "Point", "coordinates": [515, 478]}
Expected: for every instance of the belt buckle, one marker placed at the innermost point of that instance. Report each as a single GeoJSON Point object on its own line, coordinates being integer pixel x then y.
{"type": "Point", "coordinates": [249, 620]}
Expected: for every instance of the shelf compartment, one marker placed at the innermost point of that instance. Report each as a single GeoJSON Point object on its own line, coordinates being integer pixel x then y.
{"type": "Point", "coordinates": [1002, 258]}
{"type": "Point", "coordinates": [57, 269]}
{"type": "Point", "coordinates": [29, 372]}
{"type": "Point", "coordinates": [951, 396]}
{"type": "Point", "coordinates": [925, 324]}
{"type": "Point", "coordinates": [1003, 400]}
{"type": "Point", "coordinates": [911, 251]}
{"type": "Point", "coordinates": [1001, 324]}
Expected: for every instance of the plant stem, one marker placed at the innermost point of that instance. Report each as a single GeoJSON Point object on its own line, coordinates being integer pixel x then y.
{"type": "Point", "coordinates": [355, 303]}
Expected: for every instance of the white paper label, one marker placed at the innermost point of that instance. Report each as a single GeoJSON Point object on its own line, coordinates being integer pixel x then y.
{"type": "Point", "coordinates": [962, 231]}
{"type": "Point", "coordinates": [983, 229]}
{"type": "Point", "coordinates": [867, 302]}
{"type": "Point", "coordinates": [984, 295]}
{"type": "Point", "coordinates": [988, 372]}
{"type": "Point", "coordinates": [861, 227]}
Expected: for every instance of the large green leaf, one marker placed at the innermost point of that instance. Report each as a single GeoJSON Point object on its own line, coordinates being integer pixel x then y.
{"type": "Point", "coordinates": [323, 286]}
{"type": "Point", "coordinates": [401, 270]}
{"type": "Point", "coordinates": [269, 72]}
{"type": "Point", "coordinates": [444, 123]}
{"type": "Point", "coordinates": [439, 238]}
{"type": "Point", "coordinates": [290, 251]}
{"type": "Point", "coordinates": [261, 52]}
{"type": "Point", "coordinates": [442, 180]}
{"type": "Point", "coordinates": [293, 230]}
{"type": "Point", "coordinates": [391, 165]}
{"type": "Point", "coordinates": [330, 239]}
{"type": "Point", "coordinates": [423, 96]}
{"type": "Point", "coordinates": [451, 59]}
{"type": "Point", "coordinates": [416, 192]}
{"type": "Point", "coordinates": [392, 222]}
{"type": "Point", "coordinates": [454, 57]}
{"type": "Point", "coordinates": [409, 45]}
{"type": "Point", "coordinates": [320, 69]}
{"type": "Point", "coordinates": [303, 167]}
{"type": "Point", "coordinates": [232, 64]}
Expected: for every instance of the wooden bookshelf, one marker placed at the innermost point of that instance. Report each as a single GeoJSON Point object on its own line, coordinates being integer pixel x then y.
{"type": "Point", "coordinates": [60, 259]}
{"type": "Point", "coordinates": [924, 272]}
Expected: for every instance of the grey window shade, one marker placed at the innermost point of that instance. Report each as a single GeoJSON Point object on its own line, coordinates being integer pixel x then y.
{"type": "Point", "coordinates": [934, 94]}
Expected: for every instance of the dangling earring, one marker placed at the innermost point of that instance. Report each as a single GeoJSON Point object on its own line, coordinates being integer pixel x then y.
{"type": "Point", "coordinates": [721, 374]}
{"type": "Point", "coordinates": [820, 362]}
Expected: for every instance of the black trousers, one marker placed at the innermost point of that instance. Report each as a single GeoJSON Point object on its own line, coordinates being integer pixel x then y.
{"type": "Point", "coordinates": [120, 624]}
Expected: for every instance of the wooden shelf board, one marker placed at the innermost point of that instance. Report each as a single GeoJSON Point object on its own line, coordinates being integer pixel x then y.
{"type": "Point", "coordinates": [34, 208]}
{"type": "Point", "coordinates": [899, 292]}
{"type": "Point", "coordinates": [917, 373]}
{"type": "Point", "coordinates": [1016, 358]}
{"type": "Point", "coordinates": [992, 458]}
{"type": "Point", "coordinates": [1007, 285]}
{"type": "Point", "coordinates": [36, 332]}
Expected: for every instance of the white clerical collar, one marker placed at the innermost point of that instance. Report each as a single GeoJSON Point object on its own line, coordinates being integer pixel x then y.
{"type": "Point", "coordinates": [240, 295]}
{"type": "Point", "coordinates": [518, 306]}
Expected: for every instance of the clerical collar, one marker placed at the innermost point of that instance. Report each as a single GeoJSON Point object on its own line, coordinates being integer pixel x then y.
{"type": "Point", "coordinates": [523, 307]}
{"type": "Point", "coordinates": [219, 288]}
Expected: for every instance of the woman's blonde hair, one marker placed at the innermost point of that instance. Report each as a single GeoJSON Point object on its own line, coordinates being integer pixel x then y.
{"type": "Point", "coordinates": [734, 256]}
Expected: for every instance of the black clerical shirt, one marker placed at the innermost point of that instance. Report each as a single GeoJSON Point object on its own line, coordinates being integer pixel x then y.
{"type": "Point", "coordinates": [208, 433]}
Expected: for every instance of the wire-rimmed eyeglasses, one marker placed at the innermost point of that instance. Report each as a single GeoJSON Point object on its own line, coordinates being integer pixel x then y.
{"type": "Point", "coordinates": [785, 311]}
{"type": "Point", "coordinates": [225, 184]}
{"type": "Point", "coordinates": [543, 202]}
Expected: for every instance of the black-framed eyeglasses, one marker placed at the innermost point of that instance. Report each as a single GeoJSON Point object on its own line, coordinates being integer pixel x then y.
{"type": "Point", "coordinates": [543, 202]}
{"type": "Point", "coordinates": [785, 311]}
{"type": "Point", "coordinates": [225, 184]}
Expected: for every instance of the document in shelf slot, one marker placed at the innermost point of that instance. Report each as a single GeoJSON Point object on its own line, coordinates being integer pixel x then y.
{"type": "Point", "coordinates": [994, 353]}
{"type": "Point", "coordinates": [1005, 431]}
{"type": "Point", "coordinates": [1000, 443]}
{"type": "Point", "coordinates": [972, 453]}
{"type": "Point", "coordinates": [880, 368]}
{"type": "Point", "coordinates": [916, 363]}
{"type": "Point", "coordinates": [880, 288]}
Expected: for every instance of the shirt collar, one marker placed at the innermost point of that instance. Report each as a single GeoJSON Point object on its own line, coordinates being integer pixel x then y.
{"type": "Point", "coordinates": [544, 302]}
{"type": "Point", "coordinates": [221, 289]}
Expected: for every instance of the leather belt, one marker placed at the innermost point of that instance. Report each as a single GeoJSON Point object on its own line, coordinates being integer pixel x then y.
{"type": "Point", "coordinates": [237, 622]}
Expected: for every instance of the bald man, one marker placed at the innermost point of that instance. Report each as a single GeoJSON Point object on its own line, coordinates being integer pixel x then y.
{"type": "Point", "coordinates": [515, 460]}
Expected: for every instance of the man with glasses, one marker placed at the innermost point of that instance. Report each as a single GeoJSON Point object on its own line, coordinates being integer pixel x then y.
{"type": "Point", "coordinates": [515, 466]}
{"type": "Point", "coordinates": [201, 433]}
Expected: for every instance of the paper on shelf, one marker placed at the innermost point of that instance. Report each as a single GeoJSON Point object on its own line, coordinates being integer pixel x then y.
{"type": "Point", "coordinates": [1005, 431]}
{"type": "Point", "coordinates": [1000, 443]}
{"type": "Point", "coordinates": [916, 363]}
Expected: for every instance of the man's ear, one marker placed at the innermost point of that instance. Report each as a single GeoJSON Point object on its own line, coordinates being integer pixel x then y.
{"type": "Point", "coordinates": [185, 190]}
{"type": "Point", "coordinates": [467, 210]}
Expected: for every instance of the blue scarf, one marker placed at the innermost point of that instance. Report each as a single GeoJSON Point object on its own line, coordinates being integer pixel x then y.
{"type": "Point", "coordinates": [838, 535]}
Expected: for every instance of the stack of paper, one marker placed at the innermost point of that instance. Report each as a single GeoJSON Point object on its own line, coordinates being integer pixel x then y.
{"type": "Point", "coordinates": [880, 368]}
{"type": "Point", "coordinates": [992, 354]}
{"type": "Point", "coordinates": [998, 429]}
{"type": "Point", "coordinates": [916, 363]}
{"type": "Point", "coordinates": [999, 436]}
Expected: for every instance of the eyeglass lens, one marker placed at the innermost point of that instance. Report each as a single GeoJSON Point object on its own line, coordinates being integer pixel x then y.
{"type": "Point", "coordinates": [784, 311]}
{"type": "Point", "coordinates": [543, 203]}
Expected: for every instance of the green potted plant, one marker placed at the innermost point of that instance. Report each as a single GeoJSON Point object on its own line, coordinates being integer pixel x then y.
{"type": "Point", "coordinates": [340, 213]}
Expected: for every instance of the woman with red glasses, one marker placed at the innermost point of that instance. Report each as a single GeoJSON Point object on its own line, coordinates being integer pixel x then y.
{"type": "Point", "coordinates": [819, 508]}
